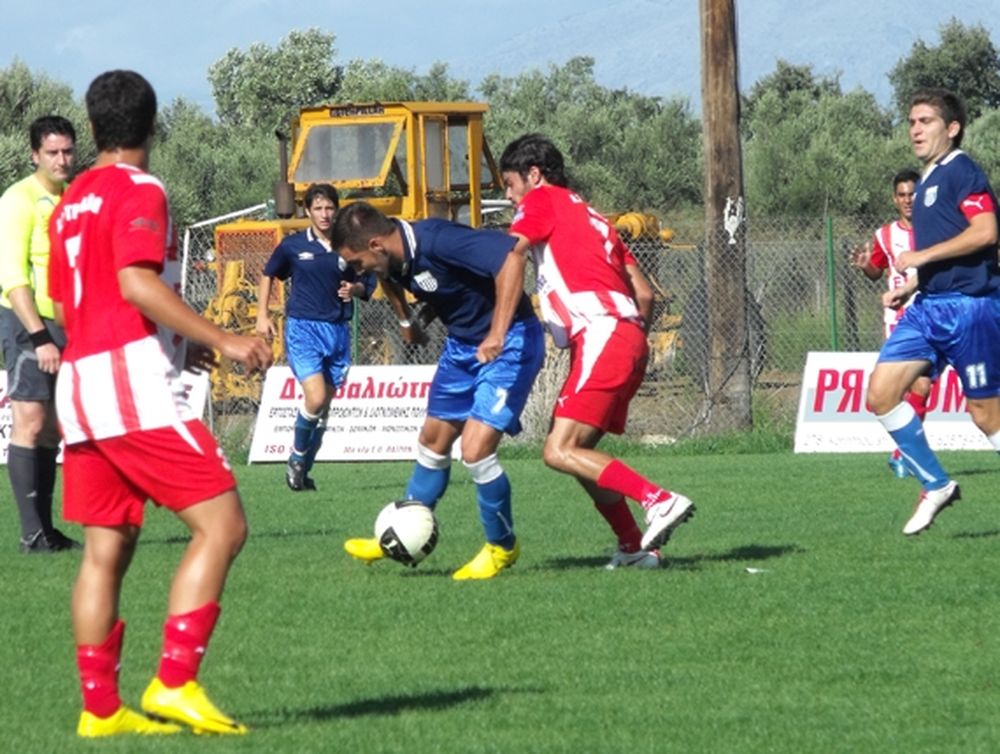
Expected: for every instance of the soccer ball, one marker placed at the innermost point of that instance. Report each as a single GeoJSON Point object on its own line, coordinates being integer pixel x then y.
{"type": "Point", "coordinates": [407, 531]}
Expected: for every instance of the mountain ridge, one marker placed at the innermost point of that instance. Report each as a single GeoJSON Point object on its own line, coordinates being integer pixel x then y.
{"type": "Point", "coordinates": [652, 47]}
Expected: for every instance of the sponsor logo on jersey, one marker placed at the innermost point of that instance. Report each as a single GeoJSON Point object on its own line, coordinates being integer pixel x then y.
{"type": "Point", "coordinates": [144, 223]}
{"type": "Point", "coordinates": [90, 203]}
{"type": "Point", "coordinates": [306, 256]}
{"type": "Point", "coordinates": [426, 282]}
{"type": "Point", "coordinates": [931, 196]}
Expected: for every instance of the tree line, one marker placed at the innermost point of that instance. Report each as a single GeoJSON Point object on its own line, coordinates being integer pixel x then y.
{"type": "Point", "coordinates": [810, 148]}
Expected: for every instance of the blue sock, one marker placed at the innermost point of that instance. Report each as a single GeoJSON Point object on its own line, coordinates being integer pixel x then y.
{"type": "Point", "coordinates": [493, 498]}
{"type": "Point", "coordinates": [430, 477]}
{"type": "Point", "coordinates": [305, 428]}
{"type": "Point", "coordinates": [907, 430]}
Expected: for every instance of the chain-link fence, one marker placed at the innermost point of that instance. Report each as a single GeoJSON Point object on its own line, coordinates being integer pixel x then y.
{"type": "Point", "coordinates": [802, 295]}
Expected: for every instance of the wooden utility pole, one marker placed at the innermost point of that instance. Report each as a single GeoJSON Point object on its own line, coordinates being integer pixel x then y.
{"type": "Point", "coordinates": [727, 400]}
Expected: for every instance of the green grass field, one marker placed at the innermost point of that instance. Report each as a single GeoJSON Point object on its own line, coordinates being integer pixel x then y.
{"type": "Point", "coordinates": [793, 616]}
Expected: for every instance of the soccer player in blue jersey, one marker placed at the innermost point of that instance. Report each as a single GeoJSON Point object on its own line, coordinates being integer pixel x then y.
{"type": "Point", "coordinates": [317, 329]}
{"type": "Point", "coordinates": [956, 318]}
{"type": "Point", "coordinates": [477, 393]}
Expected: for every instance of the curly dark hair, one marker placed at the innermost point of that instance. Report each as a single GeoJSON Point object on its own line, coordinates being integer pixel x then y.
{"type": "Point", "coordinates": [535, 150]}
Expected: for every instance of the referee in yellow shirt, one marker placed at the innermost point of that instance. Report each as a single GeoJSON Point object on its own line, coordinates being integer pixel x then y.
{"type": "Point", "coordinates": [31, 338]}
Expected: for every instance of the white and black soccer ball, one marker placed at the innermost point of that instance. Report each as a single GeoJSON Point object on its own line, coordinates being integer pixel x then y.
{"type": "Point", "coordinates": [407, 531]}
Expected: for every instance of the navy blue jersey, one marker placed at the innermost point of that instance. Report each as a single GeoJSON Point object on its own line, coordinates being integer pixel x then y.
{"type": "Point", "coordinates": [453, 267]}
{"type": "Point", "coordinates": [937, 216]}
{"type": "Point", "coordinates": [316, 274]}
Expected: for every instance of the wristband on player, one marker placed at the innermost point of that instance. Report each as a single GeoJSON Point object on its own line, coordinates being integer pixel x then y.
{"type": "Point", "coordinates": [40, 338]}
{"type": "Point", "coordinates": [405, 324]}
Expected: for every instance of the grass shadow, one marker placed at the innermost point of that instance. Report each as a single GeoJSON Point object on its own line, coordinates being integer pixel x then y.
{"type": "Point", "coordinates": [975, 472]}
{"type": "Point", "coordinates": [977, 534]}
{"type": "Point", "coordinates": [183, 539]}
{"type": "Point", "coordinates": [745, 553]}
{"type": "Point", "coordinates": [429, 701]}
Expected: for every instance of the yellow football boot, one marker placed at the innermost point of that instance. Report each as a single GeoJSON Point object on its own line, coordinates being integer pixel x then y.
{"type": "Point", "coordinates": [488, 563]}
{"type": "Point", "coordinates": [122, 722]}
{"type": "Point", "coordinates": [365, 550]}
{"type": "Point", "coordinates": [188, 704]}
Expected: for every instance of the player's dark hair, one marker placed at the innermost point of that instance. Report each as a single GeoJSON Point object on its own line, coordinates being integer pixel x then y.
{"type": "Point", "coordinates": [121, 106]}
{"type": "Point", "coordinates": [357, 224]}
{"type": "Point", "coordinates": [534, 150]}
{"type": "Point", "coordinates": [47, 125]}
{"type": "Point", "coordinates": [948, 104]}
{"type": "Point", "coordinates": [321, 189]}
{"type": "Point", "coordinates": [905, 176]}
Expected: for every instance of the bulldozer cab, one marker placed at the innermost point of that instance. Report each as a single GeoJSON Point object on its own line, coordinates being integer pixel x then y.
{"type": "Point", "coordinates": [412, 160]}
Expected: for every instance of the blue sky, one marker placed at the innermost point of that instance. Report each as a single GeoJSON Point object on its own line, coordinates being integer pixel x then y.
{"type": "Point", "coordinates": [173, 42]}
{"type": "Point", "coordinates": [649, 46]}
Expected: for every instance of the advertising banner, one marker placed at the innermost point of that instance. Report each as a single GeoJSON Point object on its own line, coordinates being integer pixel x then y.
{"type": "Point", "coordinates": [832, 417]}
{"type": "Point", "coordinates": [375, 415]}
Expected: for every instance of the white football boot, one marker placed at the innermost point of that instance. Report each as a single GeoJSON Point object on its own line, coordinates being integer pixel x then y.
{"type": "Point", "coordinates": [663, 517]}
{"type": "Point", "coordinates": [929, 504]}
{"type": "Point", "coordinates": [641, 559]}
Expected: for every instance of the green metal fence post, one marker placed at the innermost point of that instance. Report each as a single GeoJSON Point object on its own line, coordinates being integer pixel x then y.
{"type": "Point", "coordinates": [831, 285]}
{"type": "Point", "coordinates": [355, 330]}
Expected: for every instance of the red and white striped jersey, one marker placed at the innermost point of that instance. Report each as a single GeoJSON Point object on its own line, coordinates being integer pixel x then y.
{"type": "Point", "coordinates": [891, 240]}
{"type": "Point", "coordinates": [120, 371]}
{"type": "Point", "coordinates": [580, 262]}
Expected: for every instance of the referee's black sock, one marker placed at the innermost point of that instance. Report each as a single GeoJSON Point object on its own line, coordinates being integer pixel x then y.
{"type": "Point", "coordinates": [22, 468]}
{"type": "Point", "coordinates": [45, 464]}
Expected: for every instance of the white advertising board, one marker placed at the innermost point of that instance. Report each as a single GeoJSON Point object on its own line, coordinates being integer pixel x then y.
{"type": "Point", "coordinates": [832, 417]}
{"type": "Point", "coordinates": [375, 416]}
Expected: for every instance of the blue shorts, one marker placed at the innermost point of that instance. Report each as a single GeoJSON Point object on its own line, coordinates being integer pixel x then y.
{"type": "Point", "coordinates": [493, 393]}
{"type": "Point", "coordinates": [316, 347]}
{"type": "Point", "coordinates": [956, 329]}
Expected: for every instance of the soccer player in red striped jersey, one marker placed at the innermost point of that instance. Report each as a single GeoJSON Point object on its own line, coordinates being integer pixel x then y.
{"type": "Point", "coordinates": [130, 434]}
{"type": "Point", "coordinates": [879, 257]}
{"type": "Point", "coordinates": [595, 301]}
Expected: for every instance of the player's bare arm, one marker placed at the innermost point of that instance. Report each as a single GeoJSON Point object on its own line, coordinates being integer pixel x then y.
{"type": "Point", "coordinates": [200, 358]}
{"type": "Point", "coordinates": [509, 289]}
{"type": "Point", "coordinates": [642, 292]}
{"type": "Point", "coordinates": [22, 302]}
{"type": "Point", "coordinates": [897, 297]}
{"type": "Point", "coordinates": [264, 327]}
{"type": "Point", "coordinates": [861, 257]}
{"type": "Point", "coordinates": [142, 287]}
{"type": "Point", "coordinates": [349, 290]}
{"type": "Point", "coordinates": [981, 232]}
{"type": "Point", "coordinates": [409, 328]}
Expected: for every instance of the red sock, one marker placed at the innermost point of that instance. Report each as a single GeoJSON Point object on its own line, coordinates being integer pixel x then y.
{"type": "Point", "coordinates": [185, 638]}
{"type": "Point", "coordinates": [620, 519]}
{"type": "Point", "coordinates": [619, 478]}
{"type": "Point", "coordinates": [919, 403]}
{"type": "Point", "coordinates": [98, 665]}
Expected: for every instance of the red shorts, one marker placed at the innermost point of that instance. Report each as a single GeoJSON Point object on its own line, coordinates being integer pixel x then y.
{"type": "Point", "coordinates": [107, 482]}
{"type": "Point", "coordinates": [607, 363]}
